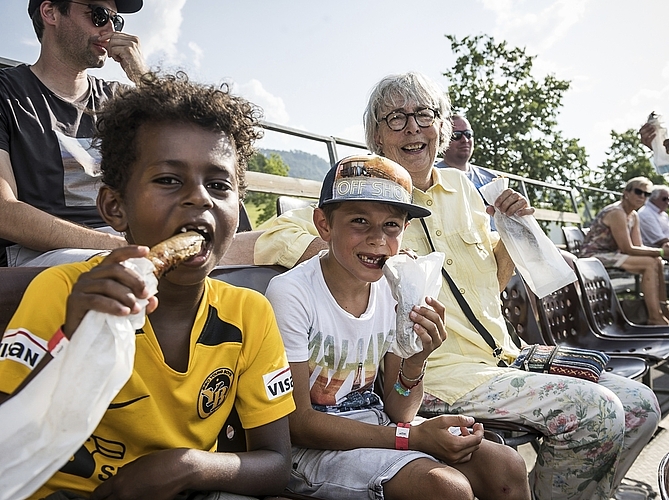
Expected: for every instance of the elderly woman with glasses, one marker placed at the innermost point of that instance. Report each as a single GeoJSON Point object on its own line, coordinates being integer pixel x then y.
{"type": "Point", "coordinates": [592, 432]}
{"type": "Point", "coordinates": [615, 239]}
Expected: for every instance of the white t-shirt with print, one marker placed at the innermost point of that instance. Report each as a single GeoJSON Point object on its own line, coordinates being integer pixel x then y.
{"type": "Point", "coordinates": [343, 351]}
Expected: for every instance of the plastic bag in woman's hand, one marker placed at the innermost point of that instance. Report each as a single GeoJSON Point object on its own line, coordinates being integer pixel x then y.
{"type": "Point", "coordinates": [536, 257]}
{"type": "Point", "coordinates": [411, 280]}
{"type": "Point", "coordinates": [660, 155]}
{"type": "Point", "coordinates": [51, 418]}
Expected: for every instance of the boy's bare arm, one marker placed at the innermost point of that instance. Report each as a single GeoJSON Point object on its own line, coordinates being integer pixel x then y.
{"type": "Point", "coordinates": [310, 428]}
{"type": "Point", "coordinates": [428, 326]}
{"type": "Point", "coordinates": [400, 408]}
{"type": "Point", "coordinates": [264, 470]}
{"type": "Point", "coordinates": [313, 429]}
{"type": "Point", "coordinates": [108, 287]}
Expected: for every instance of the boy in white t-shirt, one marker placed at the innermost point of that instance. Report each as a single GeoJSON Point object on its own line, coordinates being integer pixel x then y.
{"type": "Point", "coordinates": [336, 315]}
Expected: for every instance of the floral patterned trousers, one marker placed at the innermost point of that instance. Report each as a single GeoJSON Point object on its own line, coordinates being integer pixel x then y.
{"type": "Point", "coordinates": [592, 432]}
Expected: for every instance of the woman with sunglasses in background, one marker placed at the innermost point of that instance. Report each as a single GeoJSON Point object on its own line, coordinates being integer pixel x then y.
{"type": "Point", "coordinates": [615, 239]}
{"type": "Point", "coordinates": [48, 178]}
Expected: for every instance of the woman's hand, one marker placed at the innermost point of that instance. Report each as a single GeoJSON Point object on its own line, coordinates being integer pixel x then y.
{"type": "Point", "coordinates": [510, 203]}
{"type": "Point", "coordinates": [109, 287]}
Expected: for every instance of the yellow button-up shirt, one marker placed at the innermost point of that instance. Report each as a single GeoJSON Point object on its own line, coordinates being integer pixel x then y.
{"type": "Point", "coordinates": [460, 228]}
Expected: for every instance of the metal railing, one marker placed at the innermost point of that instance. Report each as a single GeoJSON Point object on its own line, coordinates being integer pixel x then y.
{"type": "Point", "coordinates": [554, 204]}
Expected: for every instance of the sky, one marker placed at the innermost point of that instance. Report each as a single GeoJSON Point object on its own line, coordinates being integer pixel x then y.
{"type": "Point", "coordinates": [310, 64]}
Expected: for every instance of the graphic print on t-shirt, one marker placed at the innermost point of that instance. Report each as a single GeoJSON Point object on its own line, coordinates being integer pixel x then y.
{"type": "Point", "coordinates": [338, 370]}
{"type": "Point", "coordinates": [80, 163]}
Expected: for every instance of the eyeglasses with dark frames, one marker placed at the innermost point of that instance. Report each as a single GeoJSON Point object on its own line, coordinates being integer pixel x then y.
{"type": "Point", "coordinates": [100, 16]}
{"type": "Point", "coordinates": [459, 134]}
{"type": "Point", "coordinates": [397, 120]}
{"type": "Point", "coordinates": [640, 192]}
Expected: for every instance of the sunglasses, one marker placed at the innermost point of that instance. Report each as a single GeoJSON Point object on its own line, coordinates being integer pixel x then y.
{"type": "Point", "coordinates": [640, 192]}
{"type": "Point", "coordinates": [457, 135]}
{"type": "Point", "coordinates": [100, 16]}
{"type": "Point", "coordinates": [665, 199]}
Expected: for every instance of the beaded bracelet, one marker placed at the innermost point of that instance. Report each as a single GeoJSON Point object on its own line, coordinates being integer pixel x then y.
{"type": "Point", "coordinates": [405, 389]}
{"type": "Point", "coordinates": [401, 390]}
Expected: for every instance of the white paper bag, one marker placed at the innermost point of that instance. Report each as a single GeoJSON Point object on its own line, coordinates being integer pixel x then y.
{"type": "Point", "coordinates": [411, 280]}
{"type": "Point", "coordinates": [660, 156]}
{"type": "Point", "coordinates": [534, 254]}
{"type": "Point", "coordinates": [54, 415]}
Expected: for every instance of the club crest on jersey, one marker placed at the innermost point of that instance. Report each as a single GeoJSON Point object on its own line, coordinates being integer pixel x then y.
{"type": "Point", "coordinates": [214, 390]}
{"type": "Point", "coordinates": [278, 383]}
{"type": "Point", "coordinates": [22, 346]}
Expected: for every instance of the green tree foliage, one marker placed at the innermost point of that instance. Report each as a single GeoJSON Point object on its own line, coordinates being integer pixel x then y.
{"type": "Point", "coordinates": [626, 158]}
{"type": "Point", "coordinates": [514, 115]}
{"type": "Point", "coordinates": [265, 202]}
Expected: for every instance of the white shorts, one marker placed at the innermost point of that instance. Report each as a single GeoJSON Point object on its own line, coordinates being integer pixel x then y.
{"type": "Point", "coordinates": [349, 474]}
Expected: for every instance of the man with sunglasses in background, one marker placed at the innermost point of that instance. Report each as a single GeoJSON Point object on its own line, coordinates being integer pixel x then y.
{"type": "Point", "coordinates": [460, 151]}
{"type": "Point", "coordinates": [48, 172]}
{"type": "Point", "coordinates": [653, 218]}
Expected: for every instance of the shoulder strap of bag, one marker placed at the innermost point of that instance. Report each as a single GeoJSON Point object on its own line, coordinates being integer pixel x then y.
{"type": "Point", "coordinates": [496, 350]}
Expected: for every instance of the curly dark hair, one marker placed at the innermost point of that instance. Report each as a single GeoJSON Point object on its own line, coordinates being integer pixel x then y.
{"type": "Point", "coordinates": [171, 98]}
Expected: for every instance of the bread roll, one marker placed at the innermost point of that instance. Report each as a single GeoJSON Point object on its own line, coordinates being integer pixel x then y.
{"type": "Point", "coordinates": [168, 254]}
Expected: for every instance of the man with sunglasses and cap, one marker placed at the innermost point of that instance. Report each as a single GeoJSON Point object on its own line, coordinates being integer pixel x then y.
{"type": "Point", "coordinates": [48, 172]}
{"type": "Point", "coordinates": [653, 218]}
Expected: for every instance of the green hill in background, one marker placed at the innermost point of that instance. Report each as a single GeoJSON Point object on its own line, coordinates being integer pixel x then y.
{"type": "Point", "coordinates": [302, 165]}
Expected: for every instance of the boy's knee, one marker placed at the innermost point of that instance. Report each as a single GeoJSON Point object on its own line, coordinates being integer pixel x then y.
{"type": "Point", "coordinates": [429, 482]}
{"type": "Point", "coordinates": [449, 483]}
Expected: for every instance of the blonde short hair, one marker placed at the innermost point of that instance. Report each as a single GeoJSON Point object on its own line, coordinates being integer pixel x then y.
{"type": "Point", "coordinates": [636, 182]}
